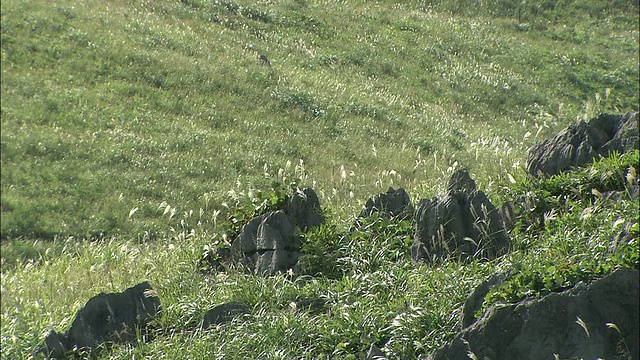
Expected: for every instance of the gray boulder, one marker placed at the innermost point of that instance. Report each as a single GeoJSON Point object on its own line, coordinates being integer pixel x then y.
{"type": "Point", "coordinates": [225, 313]}
{"type": "Point", "coordinates": [580, 143]}
{"type": "Point", "coordinates": [460, 181]}
{"type": "Point", "coordinates": [106, 319]}
{"type": "Point", "coordinates": [462, 223]}
{"type": "Point", "coordinates": [304, 211]}
{"type": "Point", "coordinates": [267, 244]}
{"type": "Point", "coordinates": [54, 346]}
{"type": "Point", "coordinates": [270, 243]}
{"type": "Point", "coordinates": [598, 320]}
{"type": "Point", "coordinates": [392, 204]}
{"type": "Point", "coordinates": [475, 300]}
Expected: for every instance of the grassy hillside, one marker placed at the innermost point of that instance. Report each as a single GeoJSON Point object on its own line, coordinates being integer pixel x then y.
{"type": "Point", "coordinates": [110, 107]}
{"type": "Point", "coordinates": [140, 124]}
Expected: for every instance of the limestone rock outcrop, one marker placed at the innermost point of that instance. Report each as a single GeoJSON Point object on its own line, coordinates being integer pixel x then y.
{"type": "Point", "coordinates": [580, 143]}
{"type": "Point", "coordinates": [270, 243]}
{"type": "Point", "coordinates": [588, 321]}
{"type": "Point", "coordinates": [106, 319]}
{"type": "Point", "coordinates": [462, 223]}
{"type": "Point", "coordinates": [267, 244]}
{"type": "Point", "coordinates": [475, 300]}
{"type": "Point", "coordinates": [392, 204]}
{"type": "Point", "coordinates": [303, 209]}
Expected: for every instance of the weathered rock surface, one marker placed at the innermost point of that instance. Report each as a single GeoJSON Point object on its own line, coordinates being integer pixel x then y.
{"type": "Point", "coordinates": [54, 346]}
{"type": "Point", "coordinates": [267, 244]}
{"type": "Point", "coordinates": [392, 204]}
{"type": "Point", "coordinates": [580, 143]}
{"type": "Point", "coordinates": [475, 300]}
{"type": "Point", "coordinates": [304, 211]}
{"type": "Point", "coordinates": [224, 313]}
{"type": "Point", "coordinates": [106, 319]}
{"type": "Point", "coordinates": [598, 320]}
{"type": "Point", "coordinates": [462, 223]}
{"type": "Point", "coordinates": [270, 243]}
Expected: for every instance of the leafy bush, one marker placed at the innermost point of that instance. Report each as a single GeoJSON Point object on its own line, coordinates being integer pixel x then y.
{"type": "Point", "coordinates": [320, 249]}
{"type": "Point", "coordinates": [552, 276]}
{"type": "Point", "coordinates": [574, 217]}
{"type": "Point", "coordinates": [538, 197]}
{"type": "Point", "coordinates": [375, 243]}
{"type": "Point", "coordinates": [371, 245]}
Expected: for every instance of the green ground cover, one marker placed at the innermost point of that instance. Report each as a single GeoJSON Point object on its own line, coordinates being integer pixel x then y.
{"type": "Point", "coordinates": [130, 129]}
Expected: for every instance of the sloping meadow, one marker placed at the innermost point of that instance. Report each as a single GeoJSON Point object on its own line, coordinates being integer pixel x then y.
{"type": "Point", "coordinates": [132, 129]}
{"type": "Point", "coordinates": [110, 110]}
{"type": "Point", "coordinates": [373, 296]}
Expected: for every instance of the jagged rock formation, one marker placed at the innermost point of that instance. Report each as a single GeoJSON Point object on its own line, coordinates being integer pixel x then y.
{"type": "Point", "coordinates": [580, 143]}
{"type": "Point", "coordinates": [224, 313]}
{"type": "Point", "coordinates": [598, 320]}
{"type": "Point", "coordinates": [270, 243]}
{"type": "Point", "coordinates": [392, 204]}
{"type": "Point", "coordinates": [462, 223]}
{"type": "Point", "coordinates": [105, 319]}
{"type": "Point", "coordinates": [267, 244]}
{"type": "Point", "coordinates": [304, 211]}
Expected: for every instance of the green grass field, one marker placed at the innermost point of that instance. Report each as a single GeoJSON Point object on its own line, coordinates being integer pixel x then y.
{"type": "Point", "coordinates": [130, 129]}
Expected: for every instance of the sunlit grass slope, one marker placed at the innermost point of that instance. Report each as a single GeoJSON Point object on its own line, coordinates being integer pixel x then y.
{"type": "Point", "coordinates": [373, 294]}
{"type": "Point", "coordinates": [113, 106]}
{"type": "Point", "coordinates": [136, 125]}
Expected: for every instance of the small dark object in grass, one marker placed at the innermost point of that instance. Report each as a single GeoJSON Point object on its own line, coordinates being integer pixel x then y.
{"type": "Point", "coordinates": [263, 60]}
{"type": "Point", "coordinates": [224, 313]}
